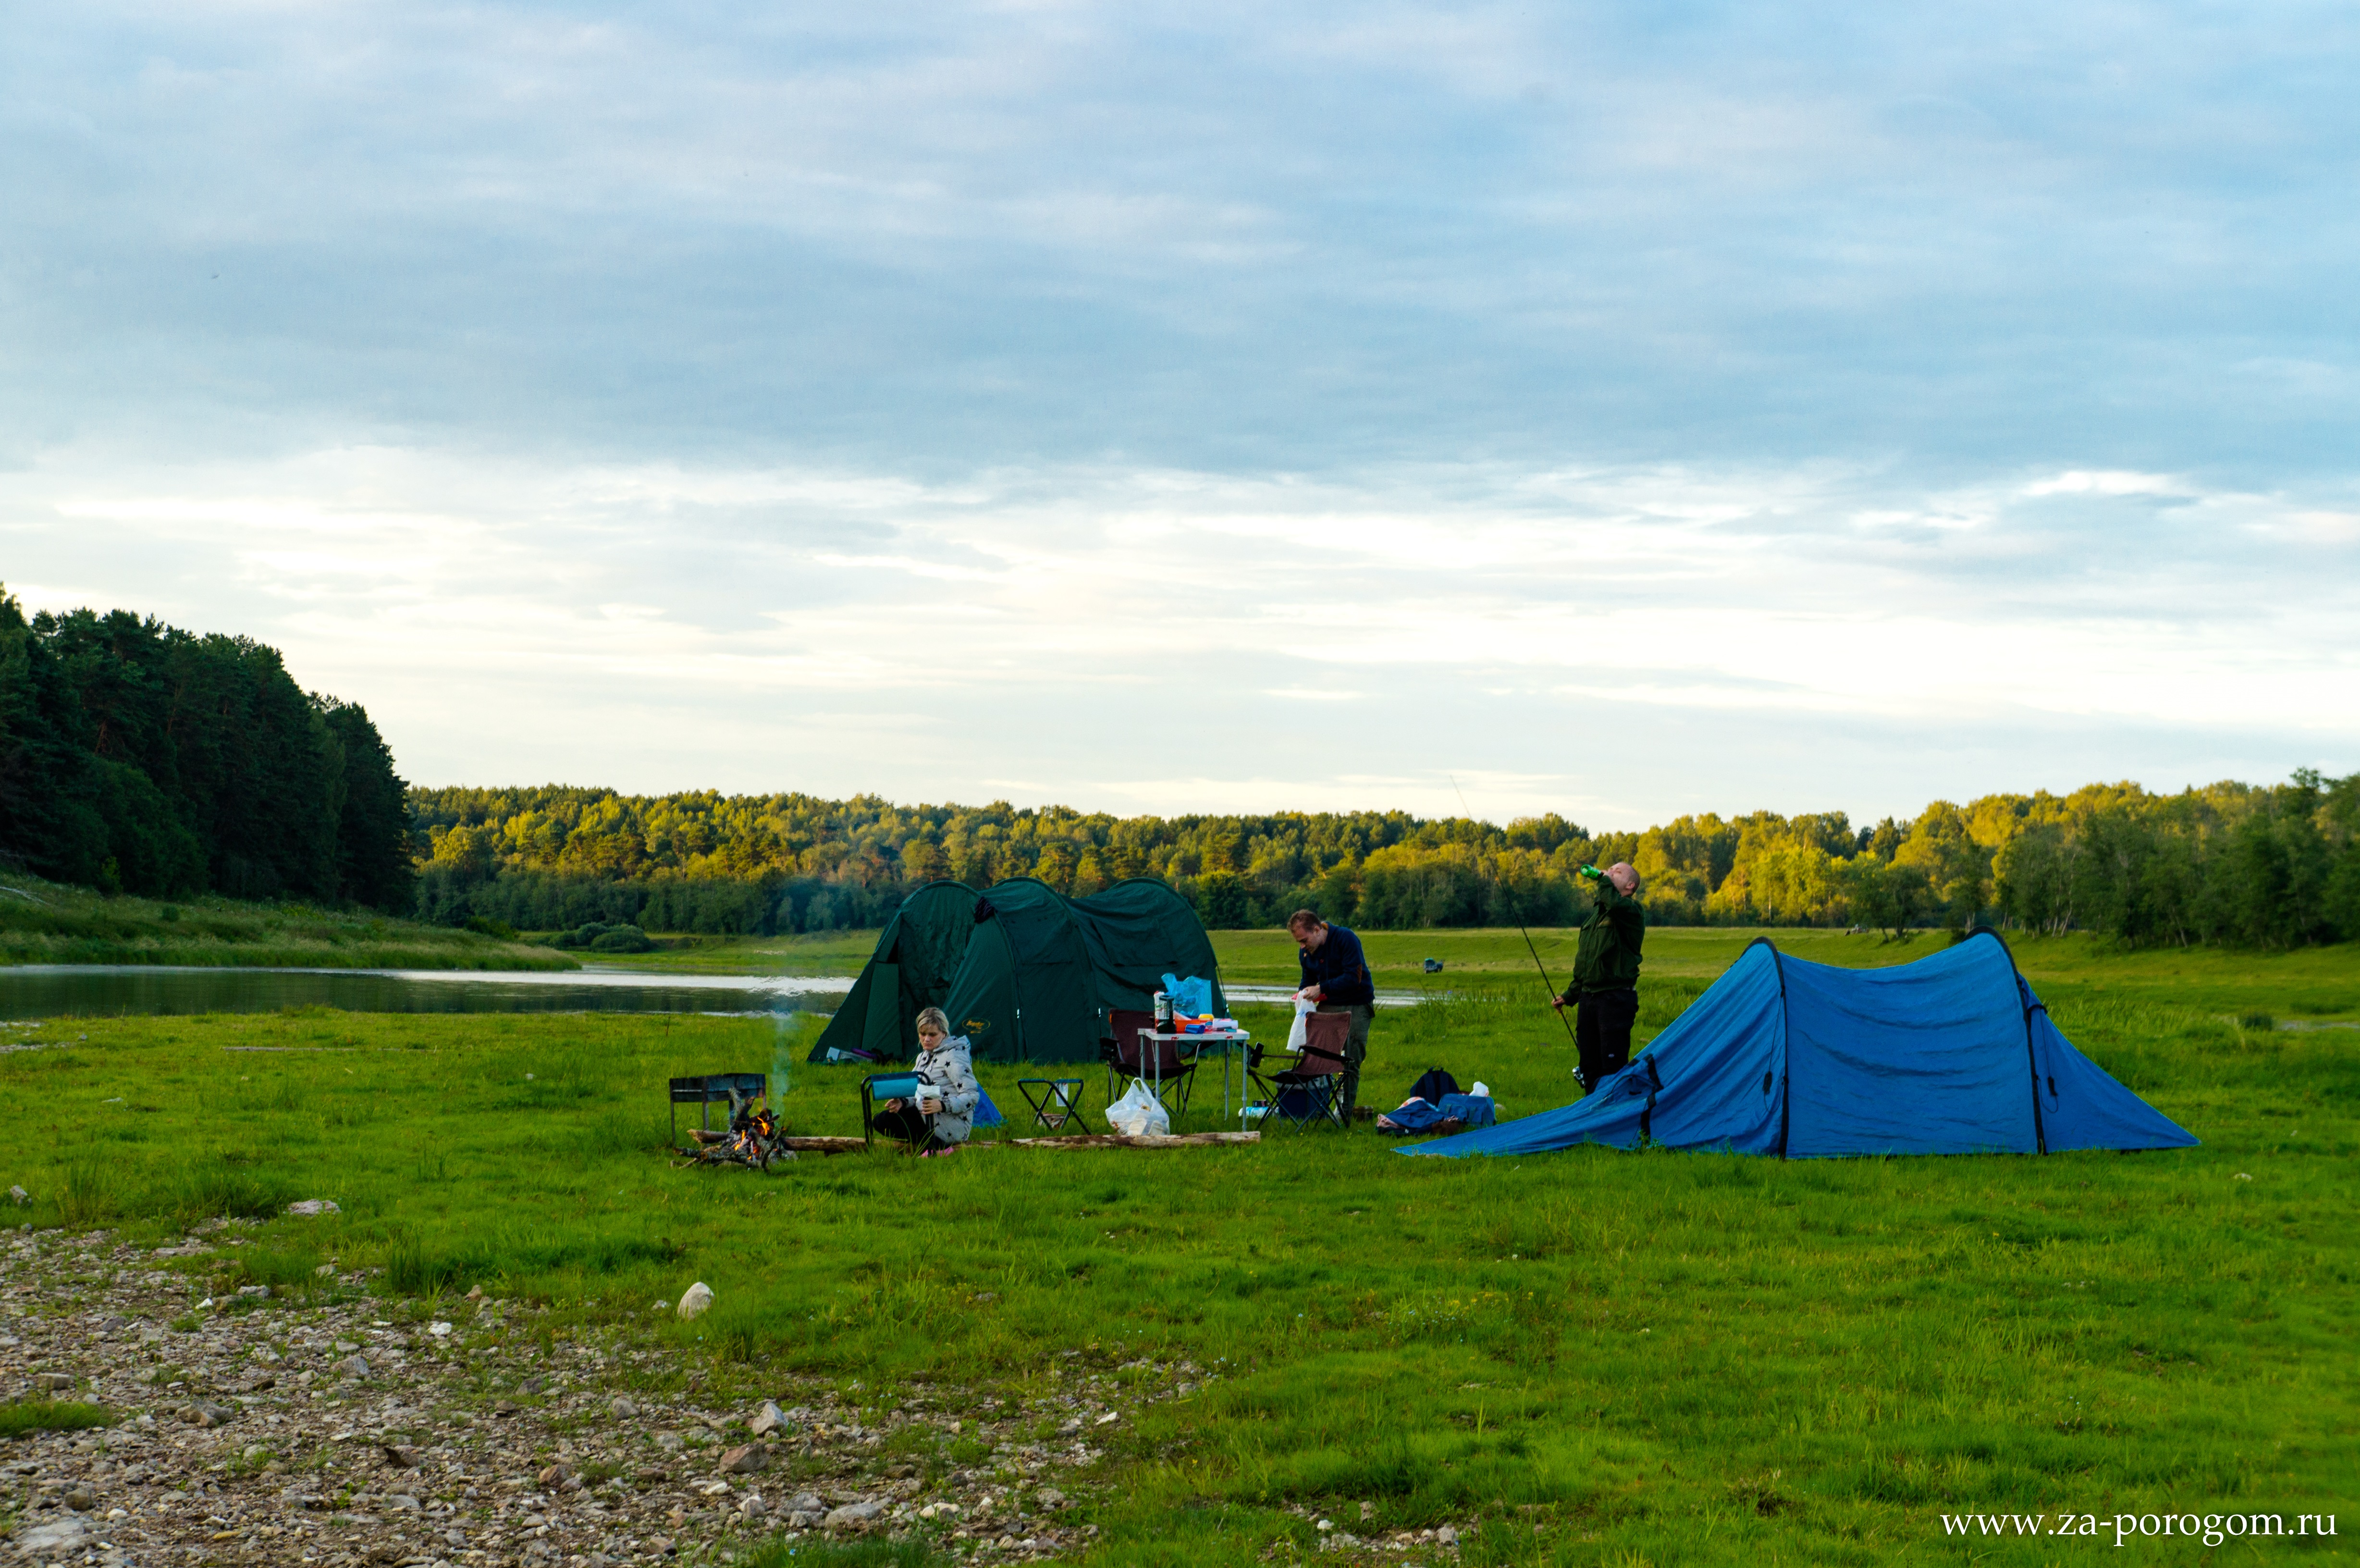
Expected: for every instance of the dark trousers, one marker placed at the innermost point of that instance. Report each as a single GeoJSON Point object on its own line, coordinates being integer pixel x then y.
{"type": "Point", "coordinates": [1601, 1032]}
{"type": "Point", "coordinates": [1356, 1051]}
{"type": "Point", "coordinates": [911, 1127]}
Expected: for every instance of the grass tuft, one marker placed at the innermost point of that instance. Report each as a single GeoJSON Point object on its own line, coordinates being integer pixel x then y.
{"type": "Point", "coordinates": [23, 1416]}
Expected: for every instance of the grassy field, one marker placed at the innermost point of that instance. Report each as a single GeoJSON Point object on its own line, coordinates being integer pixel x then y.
{"type": "Point", "coordinates": [1659, 1358]}
{"type": "Point", "coordinates": [46, 922]}
{"type": "Point", "coordinates": [2315, 981]}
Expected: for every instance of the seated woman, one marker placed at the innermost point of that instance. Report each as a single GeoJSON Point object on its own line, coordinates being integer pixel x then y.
{"type": "Point", "coordinates": [944, 1113]}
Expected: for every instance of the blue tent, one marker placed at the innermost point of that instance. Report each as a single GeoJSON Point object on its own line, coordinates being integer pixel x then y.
{"type": "Point", "coordinates": [1952, 1054]}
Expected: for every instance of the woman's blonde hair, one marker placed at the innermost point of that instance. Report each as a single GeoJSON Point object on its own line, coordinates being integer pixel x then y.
{"type": "Point", "coordinates": [934, 1018]}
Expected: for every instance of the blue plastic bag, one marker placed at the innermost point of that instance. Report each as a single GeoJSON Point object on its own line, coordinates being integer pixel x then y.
{"type": "Point", "coordinates": [1192, 996]}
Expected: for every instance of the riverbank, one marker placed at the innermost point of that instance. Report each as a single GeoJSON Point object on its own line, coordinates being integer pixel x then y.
{"type": "Point", "coordinates": [1615, 1357]}
{"type": "Point", "coordinates": [48, 923]}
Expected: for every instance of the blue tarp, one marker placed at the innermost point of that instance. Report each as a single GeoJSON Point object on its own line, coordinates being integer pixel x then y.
{"type": "Point", "coordinates": [1952, 1054]}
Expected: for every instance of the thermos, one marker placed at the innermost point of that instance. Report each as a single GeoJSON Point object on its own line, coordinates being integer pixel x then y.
{"type": "Point", "coordinates": [1163, 1012]}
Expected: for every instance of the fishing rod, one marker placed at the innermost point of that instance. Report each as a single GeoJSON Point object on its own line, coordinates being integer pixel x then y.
{"type": "Point", "coordinates": [1520, 929]}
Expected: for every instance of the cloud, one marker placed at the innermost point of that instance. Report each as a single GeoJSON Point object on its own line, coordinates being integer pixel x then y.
{"type": "Point", "coordinates": [1635, 407]}
{"type": "Point", "coordinates": [1180, 640]}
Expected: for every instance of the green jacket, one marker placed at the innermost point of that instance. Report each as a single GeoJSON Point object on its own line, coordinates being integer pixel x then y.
{"type": "Point", "coordinates": [1608, 958]}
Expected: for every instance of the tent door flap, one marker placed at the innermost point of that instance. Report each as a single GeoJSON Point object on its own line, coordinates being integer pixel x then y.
{"type": "Point", "coordinates": [881, 1030]}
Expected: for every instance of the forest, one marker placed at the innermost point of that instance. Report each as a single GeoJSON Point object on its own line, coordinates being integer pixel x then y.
{"type": "Point", "coordinates": [2268, 865]}
{"type": "Point", "coordinates": [136, 757]}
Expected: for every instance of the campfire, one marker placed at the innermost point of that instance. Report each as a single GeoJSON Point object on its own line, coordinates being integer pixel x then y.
{"type": "Point", "coordinates": [754, 1137]}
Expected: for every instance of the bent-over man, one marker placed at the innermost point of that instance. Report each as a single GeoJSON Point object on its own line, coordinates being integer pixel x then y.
{"type": "Point", "coordinates": [1605, 991]}
{"type": "Point", "coordinates": [1335, 976]}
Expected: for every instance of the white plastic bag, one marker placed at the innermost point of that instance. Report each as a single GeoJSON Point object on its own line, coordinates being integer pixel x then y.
{"type": "Point", "coordinates": [1299, 1033]}
{"type": "Point", "coordinates": [1139, 1114]}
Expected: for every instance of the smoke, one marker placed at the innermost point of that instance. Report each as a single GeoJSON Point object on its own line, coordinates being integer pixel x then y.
{"type": "Point", "coordinates": [786, 1028]}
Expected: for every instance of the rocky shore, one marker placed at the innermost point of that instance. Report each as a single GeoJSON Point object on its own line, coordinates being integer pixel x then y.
{"type": "Point", "coordinates": [327, 1425]}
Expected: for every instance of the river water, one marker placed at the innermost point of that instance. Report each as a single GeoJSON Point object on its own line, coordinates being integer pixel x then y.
{"type": "Point", "coordinates": [97, 990]}
{"type": "Point", "coordinates": [53, 990]}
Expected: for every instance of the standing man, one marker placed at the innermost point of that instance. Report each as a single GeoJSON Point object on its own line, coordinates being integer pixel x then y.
{"type": "Point", "coordinates": [1335, 976]}
{"type": "Point", "coordinates": [1605, 986]}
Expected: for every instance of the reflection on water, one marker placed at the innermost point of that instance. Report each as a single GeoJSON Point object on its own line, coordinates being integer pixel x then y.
{"type": "Point", "coordinates": [53, 990]}
{"type": "Point", "coordinates": [1281, 994]}
{"type": "Point", "coordinates": [50, 990]}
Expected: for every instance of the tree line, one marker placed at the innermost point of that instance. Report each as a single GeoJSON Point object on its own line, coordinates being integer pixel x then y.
{"type": "Point", "coordinates": [2258, 864]}
{"type": "Point", "coordinates": [138, 757]}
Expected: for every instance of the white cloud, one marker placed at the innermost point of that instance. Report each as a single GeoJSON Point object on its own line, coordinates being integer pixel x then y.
{"type": "Point", "coordinates": [1179, 641]}
{"type": "Point", "coordinates": [1210, 406]}
{"type": "Point", "coordinates": [2110, 483]}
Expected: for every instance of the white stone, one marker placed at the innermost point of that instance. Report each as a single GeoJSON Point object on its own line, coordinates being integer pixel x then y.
{"type": "Point", "coordinates": [52, 1539]}
{"type": "Point", "coordinates": [693, 1302]}
{"type": "Point", "coordinates": [852, 1514]}
{"type": "Point", "coordinates": [313, 1207]}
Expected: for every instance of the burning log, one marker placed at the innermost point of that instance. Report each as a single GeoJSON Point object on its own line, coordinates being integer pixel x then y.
{"type": "Point", "coordinates": [754, 1138]}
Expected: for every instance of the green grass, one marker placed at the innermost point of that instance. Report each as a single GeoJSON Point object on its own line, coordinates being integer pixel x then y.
{"type": "Point", "coordinates": [45, 923]}
{"type": "Point", "coordinates": [1654, 1358]}
{"type": "Point", "coordinates": [21, 1416]}
{"type": "Point", "coordinates": [815, 953]}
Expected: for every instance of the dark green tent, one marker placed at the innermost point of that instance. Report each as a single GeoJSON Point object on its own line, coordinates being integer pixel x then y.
{"type": "Point", "coordinates": [916, 955]}
{"type": "Point", "coordinates": [1042, 973]}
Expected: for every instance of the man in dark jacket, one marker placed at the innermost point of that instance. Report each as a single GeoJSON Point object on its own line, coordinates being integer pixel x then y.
{"type": "Point", "coordinates": [1335, 976]}
{"type": "Point", "coordinates": [1606, 973]}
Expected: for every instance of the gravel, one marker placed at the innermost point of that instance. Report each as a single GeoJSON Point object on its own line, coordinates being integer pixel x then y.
{"type": "Point", "coordinates": [345, 1428]}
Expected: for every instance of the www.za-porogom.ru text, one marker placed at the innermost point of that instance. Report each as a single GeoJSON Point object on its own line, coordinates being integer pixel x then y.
{"type": "Point", "coordinates": [2210, 1529]}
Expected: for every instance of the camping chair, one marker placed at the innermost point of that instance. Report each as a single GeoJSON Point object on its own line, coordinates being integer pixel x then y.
{"type": "Point", "coordinates": [1162, 1061]}
{"type": "Point", "coordinates": [1308, 1086]}
{"type": "Point", "coordinates": [877, 1086]}
{"type": "Point", "coordinates": [1054, 1102]}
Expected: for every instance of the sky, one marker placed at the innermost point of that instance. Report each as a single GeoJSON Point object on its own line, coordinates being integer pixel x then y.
{"type": "Point", "coordinates": [1619, 410]}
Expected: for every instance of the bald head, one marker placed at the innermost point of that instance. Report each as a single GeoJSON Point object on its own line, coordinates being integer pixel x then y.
{"type": "Point", "coordinates": [1623, 878]}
